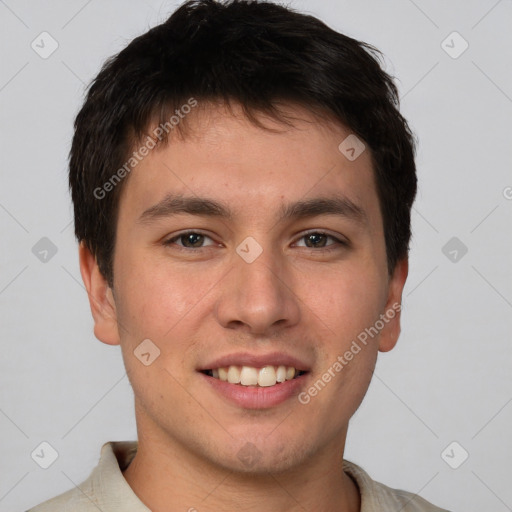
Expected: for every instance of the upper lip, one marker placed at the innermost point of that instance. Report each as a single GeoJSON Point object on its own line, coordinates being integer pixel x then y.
{"type": "Point", "coordinates": [256, 360]}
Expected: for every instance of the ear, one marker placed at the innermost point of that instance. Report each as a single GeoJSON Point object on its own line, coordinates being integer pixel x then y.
{"type": "Point", "coordinates": [391, 315]}
{"type": "Point", "coordinates": [101, 299]}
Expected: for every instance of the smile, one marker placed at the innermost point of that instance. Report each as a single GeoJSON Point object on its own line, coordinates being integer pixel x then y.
{"type": "Point", "coordinates": [252, 376]}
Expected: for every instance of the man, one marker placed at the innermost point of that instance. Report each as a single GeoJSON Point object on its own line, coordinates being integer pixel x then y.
{"type": "Point", "coordinates": [242, 183]}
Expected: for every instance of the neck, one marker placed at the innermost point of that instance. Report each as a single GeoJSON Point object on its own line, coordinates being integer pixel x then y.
{"type": "Point", "coordinates": [180, 480]}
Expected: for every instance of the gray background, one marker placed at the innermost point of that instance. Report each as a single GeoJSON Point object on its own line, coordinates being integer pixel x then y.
{"type": "Point", "coordinates": [449, 378]}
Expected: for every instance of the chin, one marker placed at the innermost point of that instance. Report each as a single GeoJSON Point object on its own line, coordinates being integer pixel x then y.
{"type": "Point", "coordinates": [260, 457]}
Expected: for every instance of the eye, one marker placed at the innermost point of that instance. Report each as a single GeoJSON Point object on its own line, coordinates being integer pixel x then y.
{"type": "Point", "coordinates": [189, 240]}
{"type": "Point", "coordinates": [319, 239]}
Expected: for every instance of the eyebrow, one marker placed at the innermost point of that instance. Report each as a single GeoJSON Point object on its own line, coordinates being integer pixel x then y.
{"type": "Point", "coordinates": [177, 204]}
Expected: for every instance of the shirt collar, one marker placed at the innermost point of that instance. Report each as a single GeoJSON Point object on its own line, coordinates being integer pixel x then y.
{"type": "Point", "coordinates": [108, 481]}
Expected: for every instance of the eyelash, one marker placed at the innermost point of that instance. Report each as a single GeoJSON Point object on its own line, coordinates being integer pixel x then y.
{"type": "Point", "coordinates": [338, 242]}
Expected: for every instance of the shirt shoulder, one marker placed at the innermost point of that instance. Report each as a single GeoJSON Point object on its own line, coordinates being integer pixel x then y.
{"type": "Point", "coordinates": [105, 488]}
{"type": "Point", "coordinates": [72, 500]}
{"type": "Point", "coordinates": [377, 497]}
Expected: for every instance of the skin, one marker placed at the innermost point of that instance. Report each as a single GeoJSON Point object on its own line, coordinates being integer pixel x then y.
{"type": "Point", "coordinates": [196, 304]}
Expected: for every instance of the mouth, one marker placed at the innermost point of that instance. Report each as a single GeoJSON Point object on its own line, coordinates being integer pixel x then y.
{"type": "Point", "coordinates": [251, 376]}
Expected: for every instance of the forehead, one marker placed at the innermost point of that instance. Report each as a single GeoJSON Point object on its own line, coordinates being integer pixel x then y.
{"type": "Point", "coordinates": [224, 155]}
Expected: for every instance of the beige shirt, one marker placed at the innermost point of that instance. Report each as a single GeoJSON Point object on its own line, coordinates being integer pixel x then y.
{"type": "Point", "coordinates": [107, 490]}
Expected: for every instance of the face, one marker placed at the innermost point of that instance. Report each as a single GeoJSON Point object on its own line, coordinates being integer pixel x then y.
{"type": "Point", "coordinates": [240, 247]}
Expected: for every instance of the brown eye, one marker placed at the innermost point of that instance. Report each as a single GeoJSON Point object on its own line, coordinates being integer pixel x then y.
{"type": "Point", "coordinates": [190, 240]}
{"type": "Point", "coordinates": [316, 240]}
{"type": "Point", "coordinates": [320, 240]}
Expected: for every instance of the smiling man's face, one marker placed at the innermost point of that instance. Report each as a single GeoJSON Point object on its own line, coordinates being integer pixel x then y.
{"type": "Point", "coordinates": [238, 247]}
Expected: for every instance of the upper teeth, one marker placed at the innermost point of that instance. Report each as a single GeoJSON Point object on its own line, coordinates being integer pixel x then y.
{"type": "Point", "coordinates": [250, 376]}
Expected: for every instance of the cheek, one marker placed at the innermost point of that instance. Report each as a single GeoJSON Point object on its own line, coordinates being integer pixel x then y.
{"type": "Point", "coordinates": [347, 301]}
{"type": "Point", "coordinates": [154, 297]}
{"type": "Point", "coordinates": [157, 306]}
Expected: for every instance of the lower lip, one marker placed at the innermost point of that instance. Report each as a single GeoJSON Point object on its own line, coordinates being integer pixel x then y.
{"type": "Point", "coordinates": [256, 397]}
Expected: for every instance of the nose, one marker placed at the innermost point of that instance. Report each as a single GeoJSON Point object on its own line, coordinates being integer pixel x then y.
{"type": "Point", "coordinates": [257, 297]}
